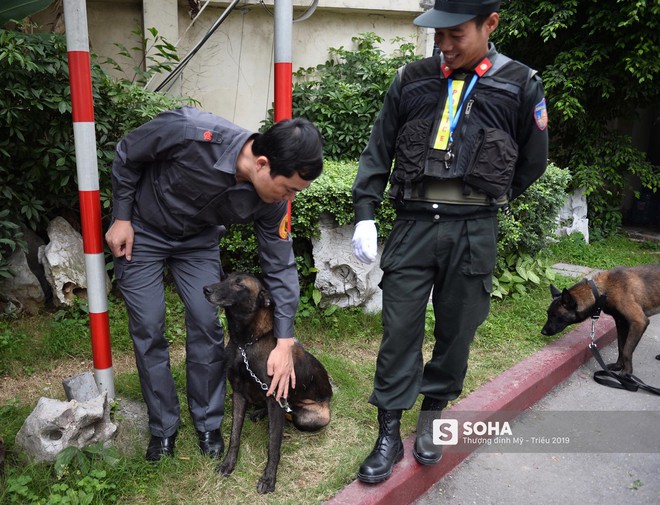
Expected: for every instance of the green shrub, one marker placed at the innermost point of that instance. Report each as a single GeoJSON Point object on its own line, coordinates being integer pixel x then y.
{"type": "Point", "coordinates": [331, 193]}
{"type": "Point", "coordinates": [344, 95]}
{"type": "Point", "coordinates": [11, 238]}
{"type": "Point", "coordinates": [37, 155]}
{"type": "Point", "coordinates": [586, 105]}
{"type": "Point", "coordinates": [524, 227]}
{"type": "Point", "coordinates": [603, 164]}
{"type": "Point", "coordinates": [524, 231]}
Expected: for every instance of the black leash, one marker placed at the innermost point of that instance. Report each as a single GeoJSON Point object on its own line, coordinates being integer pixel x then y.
{"type": "Point", "coordinates": [607, 377]}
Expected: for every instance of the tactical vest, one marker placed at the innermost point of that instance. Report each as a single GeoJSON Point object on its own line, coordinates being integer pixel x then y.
{"type": "Point", "coordinates": [485, 146]}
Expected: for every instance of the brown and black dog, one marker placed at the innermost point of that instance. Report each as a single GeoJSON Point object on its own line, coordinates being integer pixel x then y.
{"type": "Point", "coordinates": [249, 310]}
{"type": "Point", "coordinates": [629, 294]}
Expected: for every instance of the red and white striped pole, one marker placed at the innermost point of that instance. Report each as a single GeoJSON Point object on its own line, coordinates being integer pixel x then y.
{"type": "Point", "coordinates": [283, 68]}
{"type": "Point", "coordinates": [80, 80]}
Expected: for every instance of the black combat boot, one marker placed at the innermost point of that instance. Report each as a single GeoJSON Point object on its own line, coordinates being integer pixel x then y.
{"type": "Point", "coordinates": [388, 449]}
{"type": "Point", "coordinates": [424, 450]}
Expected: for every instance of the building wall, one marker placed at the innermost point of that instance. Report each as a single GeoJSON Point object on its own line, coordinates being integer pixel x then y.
{"type": "Point", "coordinates": [232, 74]}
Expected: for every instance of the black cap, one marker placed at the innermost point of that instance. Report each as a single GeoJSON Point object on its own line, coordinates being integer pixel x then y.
{"type": "Point", "coordinates": [448, 13]}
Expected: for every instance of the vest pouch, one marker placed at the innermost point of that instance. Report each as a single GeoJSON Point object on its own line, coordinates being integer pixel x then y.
{"type": "Point", "coordinates": [411, 148]}
{"type": "Point", "coordinates": [492, 165]}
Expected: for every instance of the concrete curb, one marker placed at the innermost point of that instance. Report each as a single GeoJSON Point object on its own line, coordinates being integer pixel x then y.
{"type": "Point", "coordinates": [516, 389]}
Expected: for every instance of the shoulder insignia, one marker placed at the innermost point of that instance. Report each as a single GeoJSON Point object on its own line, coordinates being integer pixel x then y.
{"type": "Point", "coordinates": [541, 115]}
{"type": "Point", "coordinates": [284, 228]}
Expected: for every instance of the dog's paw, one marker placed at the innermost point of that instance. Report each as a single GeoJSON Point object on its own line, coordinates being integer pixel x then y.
{"type": "Point", "coordinates": [266, 484]}
{"type": "Point", "coordinates": [226, 467]}
{"type": "Point", "coordinates": [615, 367]}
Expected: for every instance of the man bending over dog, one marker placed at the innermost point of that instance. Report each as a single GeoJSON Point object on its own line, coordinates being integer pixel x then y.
{"type": "Point", "coordinates": [176, 181]}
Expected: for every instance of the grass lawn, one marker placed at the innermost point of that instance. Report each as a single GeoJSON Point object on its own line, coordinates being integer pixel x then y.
{"type": "Point", "coordinates": [37, 353]}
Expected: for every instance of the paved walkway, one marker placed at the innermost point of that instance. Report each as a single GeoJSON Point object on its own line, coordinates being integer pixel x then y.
{"type": "Point", "coordinates": [613, 456]}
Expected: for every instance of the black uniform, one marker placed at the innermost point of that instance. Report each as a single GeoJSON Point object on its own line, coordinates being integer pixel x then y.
{"type": "Point", "coordinates": [174, 179]}
{"type": "Point", "coordinates": [447, 192]}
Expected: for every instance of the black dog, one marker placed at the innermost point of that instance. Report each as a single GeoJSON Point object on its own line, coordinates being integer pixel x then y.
{"type": "Point", "coordinates": [249, 310]}
{"type": "Point", "coordinates": [629, 294]}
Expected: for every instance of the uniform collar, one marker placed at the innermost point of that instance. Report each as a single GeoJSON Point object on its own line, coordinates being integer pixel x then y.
{"type": "Point", "coordinates": [480, 69]}
{"type": "Point", "coordinates": [227, 161]}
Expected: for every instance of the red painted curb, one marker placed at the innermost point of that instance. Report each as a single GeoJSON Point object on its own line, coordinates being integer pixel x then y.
{"type": "Point", "coordinates": [516, 389]}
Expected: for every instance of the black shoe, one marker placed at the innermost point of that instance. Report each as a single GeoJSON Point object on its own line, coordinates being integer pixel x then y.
{"type": "Point", "coordinates": [388, 449]}
{"type": "Point", "coordinates": [211, 443]}
{"type": "Point", "coordinates": [424, 450]}
{"type": "Point", "coordinates": [159, 447]}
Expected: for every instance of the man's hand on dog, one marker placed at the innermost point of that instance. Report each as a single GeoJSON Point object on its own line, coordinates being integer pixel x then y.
{"type": "Point", "coordinates": [280, 368]}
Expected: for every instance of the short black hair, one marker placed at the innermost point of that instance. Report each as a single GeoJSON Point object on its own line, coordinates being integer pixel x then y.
{"type": "Point", "coordinates": [291, 145]}
{"type": "Point", "coordinates": [481, 19]}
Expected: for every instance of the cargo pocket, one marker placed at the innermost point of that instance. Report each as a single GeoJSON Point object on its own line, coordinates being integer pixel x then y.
{"type": "Point", "coordinates": [411, 148]}
{"type": "Point", "coordinates": [482, 243]}
{"type": "Point", "coordinates": [396, 240]}
{"type": "Point", "coordinates": [492, 165]}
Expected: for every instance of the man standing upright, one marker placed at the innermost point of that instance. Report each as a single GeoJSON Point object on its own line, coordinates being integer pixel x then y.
{"type": "Point", "coordinates": [467, 132]}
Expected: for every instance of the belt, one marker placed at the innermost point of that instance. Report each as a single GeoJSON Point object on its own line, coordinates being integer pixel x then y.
{"type": "Point", "coordinates": [451, 191]}
{"type": "Point", "coordinates": [440, 215]}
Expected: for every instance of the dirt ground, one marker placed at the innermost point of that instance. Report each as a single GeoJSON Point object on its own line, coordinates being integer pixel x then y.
{"type": "Point", "coordinates": [48, 383]}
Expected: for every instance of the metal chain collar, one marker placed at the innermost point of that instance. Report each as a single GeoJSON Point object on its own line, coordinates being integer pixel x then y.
{"type": "Point", "coordinates": [282, 401]}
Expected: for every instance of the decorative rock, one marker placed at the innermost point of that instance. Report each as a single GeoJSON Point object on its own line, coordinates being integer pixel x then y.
{"type": "Point", "coordinates": [81, 387]}
{"type": "Point", "coordinates": [64, 263]}
{"type": "Point", "coordinates": [342, 279]}
{"type": "Point", "coordinates": [55, 425]}
{"type": "Point", "coordinates": [22, 292]}
{"type": "Point", "coordinates": [573, 215]}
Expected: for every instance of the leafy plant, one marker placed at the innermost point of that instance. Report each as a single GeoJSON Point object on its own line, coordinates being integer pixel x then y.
{"type": "Point", "coordinates": [11, 239]}
{"type": "Point", "coordinates": [331, 194]}
{"type": "Point", "coordinates": [586, 104]}
{"type": "Point", "coordinates": [531, 218]}
{"type": "Point", "coordinates": [517, 272]}
{"type": "Point", "coordinates": [159, 56]}
{"type": "Point", "coordinates": [82, 460]}
{"type": "Point", "coordinates": [344, 95]}
{"type": "Point", "coordinates": [37, 155]}
{"type": "Point", "coordinates": [18, 490]}
{"type": "Point", "coordinates": [19, 9]}
{"type": "Point", "coordinates": [238, 249]}
{"type": "Point", "coordinates": [80, 478]}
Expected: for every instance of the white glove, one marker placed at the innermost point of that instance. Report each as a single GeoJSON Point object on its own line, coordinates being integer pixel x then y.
{"type": "Point", "coordinates": [365, 241]}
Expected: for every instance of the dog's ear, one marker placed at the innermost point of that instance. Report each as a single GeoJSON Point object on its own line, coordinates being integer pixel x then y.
{"type": "Point", "coordinates": [554, 291]}
{"type": "Point", "coordinates": [264, 299]}
{"type": "Point", "coordinates": [568, 300]}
